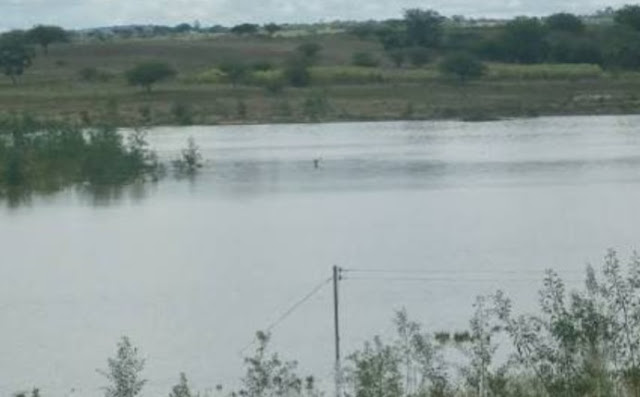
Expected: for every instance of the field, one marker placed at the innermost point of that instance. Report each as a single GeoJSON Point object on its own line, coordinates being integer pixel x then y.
{"type": "Point", "coordinates": [55, 87]}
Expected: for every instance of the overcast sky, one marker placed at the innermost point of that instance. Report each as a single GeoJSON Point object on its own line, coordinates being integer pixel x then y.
{"type": "Point", "coordinates": [92, 13]}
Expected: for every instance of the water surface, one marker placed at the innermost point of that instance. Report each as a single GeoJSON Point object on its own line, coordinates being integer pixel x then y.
{"type": "Point", "coordinates": [191, 269]}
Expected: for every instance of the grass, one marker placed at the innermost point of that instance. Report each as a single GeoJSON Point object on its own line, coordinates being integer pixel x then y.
{"type": "Point", "coordinates": [54, 86]}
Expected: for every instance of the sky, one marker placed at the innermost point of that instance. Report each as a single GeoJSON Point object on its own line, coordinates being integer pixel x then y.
{"type": "Point", "coordinates": [94, 13]}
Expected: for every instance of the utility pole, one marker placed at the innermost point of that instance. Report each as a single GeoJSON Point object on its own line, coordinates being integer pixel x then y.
{"type": "Point", "coordinates": [337, 275]}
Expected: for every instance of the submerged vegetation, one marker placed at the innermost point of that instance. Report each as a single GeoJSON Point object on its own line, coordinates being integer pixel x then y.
{"type": "Point", "coordinates": [48, 156]}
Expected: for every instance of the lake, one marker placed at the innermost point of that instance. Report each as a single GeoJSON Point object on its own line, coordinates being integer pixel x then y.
{"type": "Point", "coordinates": [426, 215]}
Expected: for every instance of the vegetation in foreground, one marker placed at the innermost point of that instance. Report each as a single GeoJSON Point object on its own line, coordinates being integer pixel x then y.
{"type": "Point", "coordinates": [422, 66]}
{"type": "Point", "coordinates": [580, 343]}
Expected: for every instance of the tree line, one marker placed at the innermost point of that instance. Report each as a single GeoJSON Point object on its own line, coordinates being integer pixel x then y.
{"type": "Point", "coordinates": [423, 35]}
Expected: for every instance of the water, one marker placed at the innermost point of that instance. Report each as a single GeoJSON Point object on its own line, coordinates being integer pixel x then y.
{"type": "Point", "coordinates": [191, 269]}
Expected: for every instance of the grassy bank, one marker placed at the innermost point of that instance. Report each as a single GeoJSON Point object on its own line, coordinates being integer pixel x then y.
{"type": "Point", "coordinates": [56, 88]}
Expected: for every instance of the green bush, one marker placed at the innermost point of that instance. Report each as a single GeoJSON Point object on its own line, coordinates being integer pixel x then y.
{"type": "Point", "coordinates": [365, 59]}
{"type": "Point", "coordinates": [418, 56]}
{"type": "Point", "coordinates": [296, 72]}
{"type": "Point", "coordinates": [148, 73]}
{"type": "Point", "coordinates": [462, 66]}
{"type": "Point", "coordinates": [94, 75]}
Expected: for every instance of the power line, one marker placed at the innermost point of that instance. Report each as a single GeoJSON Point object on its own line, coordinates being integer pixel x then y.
{"type": "Point", "coordinates": [452, 279]}
{"type": "Point", "coordinates": [430, 273]}
{"type": "Point", "coordinates": [291, 310]}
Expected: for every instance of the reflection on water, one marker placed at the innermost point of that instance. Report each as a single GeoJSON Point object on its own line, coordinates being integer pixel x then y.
{"type": "Point", "coordinates": [191, 268]}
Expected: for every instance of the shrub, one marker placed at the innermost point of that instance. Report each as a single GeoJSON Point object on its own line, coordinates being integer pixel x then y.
{"type": "Point", "coordinates": [182, 113]}
{"type": "Point", "coordinates": [365, 59]}
{"type": "Point", "coordinates": [190, 160]}
{"type": "Point", "coordinates": [463, 66]}
{"type": "Point", "coordinates": [93, 75]}
{"type": "Point", "coordinates": [309, 51]}
{"type": "Point", "coordinates": [397, 56]}
{"type": "Point", "coordinates": [236, 72]}
{"type": "Point", "coordinates": [123, 371]}
{"type": "Point", "coordinates": [316, 106]}
{"type": "Point", "coordinates": [296, 72]}
{"type": "Point", "coordinates": [418, 56]}
{"type": "Point", "coordinates": [262, 66]}
{"type": "Point", "coordinates": [148, 73]}
{"type": "Point", "coordinates": [565, 22]}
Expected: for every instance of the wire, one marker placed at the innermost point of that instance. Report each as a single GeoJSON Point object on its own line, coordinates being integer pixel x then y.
{"type": "Point", "coordinates": [290, 311]}
{"type": "Point", "coordinates": [426, 272]}
{"type": "Point", "coordinates": [452, 279]}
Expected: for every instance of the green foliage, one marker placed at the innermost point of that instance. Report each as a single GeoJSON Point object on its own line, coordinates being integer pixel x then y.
{"type": "Point", "coordinates": [622, 49]}
{"type": "Point", "coordinates": [397, 56]}
{"type": "Point", "coordinates": [182, 388]}
{"type": "Point", "coordinates": [565, 22]}
{"type": "Point", "coordinates": [245, 29]}
{"type": "Point", "coordinates": [236, 72]}
{"type": "Point", "coordinates": [463, 66]}
{"type": "Point", "coordinates": [262, 66]}
{"type": "Point", "coordinates": [315, 106]}
{"type": "Point", "coordinates": [410, 366]}
{"type": "Point", "coordinates": [365, 59]}
{"type": "Point", "coordinates": [46, 35]}
{"type": "Point", "coordinates": [418, 56]}
{"type": "Point", "coordinates": [16, 55]}
{"type": "Point", "coordinates": [296, 72]}
{"type": "Point", "coordinates": [424, 28]}
{"type": "Point", "coordinates": [148, 73]}
{"type": "Point", "coordinates": [629, 15]}
{"type": "Point", "coordinates": [524, 40]}
{"type": "Point", "coordinates": [272, 28]}
{"type": "Point", "coordinates": [348, 75]}
{"type": "Point", "coordinates": [94, 75]}
{"type": "Point", "coordinates": [309, 51]}
{"type": "Point", "coordinates": [190, 160]}
{"type": "Point", "coordinates": [123, 372]}
{"type": "Point", "coordinates": [268, 376]}
{"type": "Point", "coordinates": [572, 48]}
{"type": "Point", "coordinates": [34, 393]}
{"type": "Point", "coordinates": [46, 157]}
{"type": "Point", "coordinates": [182, 113]}
{"type": "Point", "coordinates": [582, 343]}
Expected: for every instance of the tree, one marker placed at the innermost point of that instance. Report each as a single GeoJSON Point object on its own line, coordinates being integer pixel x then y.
{"type": "Point", "coordinates": [16, 55]}
{"type": "Point", "coordinates": [565, 22]}
{"type": "Point", "coordinates": [463, 66]}
{"type": "Point", "coordinates": [629, 15]}
{"type": "Point", "coordinates": [296, 71]}
{"type": "Point", "coordinates": [268, 376]}
{"type": "Point", "coordinates": [235, 71]}
{"type": "Point", "coordinates": [525, 40]}
{"type": "Point", "coordinates": [190, 161]}
{"type": "Point", "coordinates": [245, 28]}
{"type": "Point", "coordinates": [47, 35]}
{"type": "Point", "coordinates": [309, 51]}
{"type": "Point", "coordinates": [365, 59]}
{"type": "Point", "coordinates": [148, 73]}
{"type": "Point", "coordinates": [418, 56]}
{"type": "Point", "coordinates": [424, 27]}
{"type": "Point", "coordinates": [183, 28]}
{"type": "Point", "coordinates": [272, 28]}
{"type": "Point", "coordinates": [397, 56]}
{"type": "Point", "coordinates": [123, 371]}
{"type": "Point", "coordinates": [181, 389]}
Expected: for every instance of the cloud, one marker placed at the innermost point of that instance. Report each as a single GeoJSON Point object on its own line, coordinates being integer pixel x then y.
{"type": "Point", "coordinates": [87, 13]}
